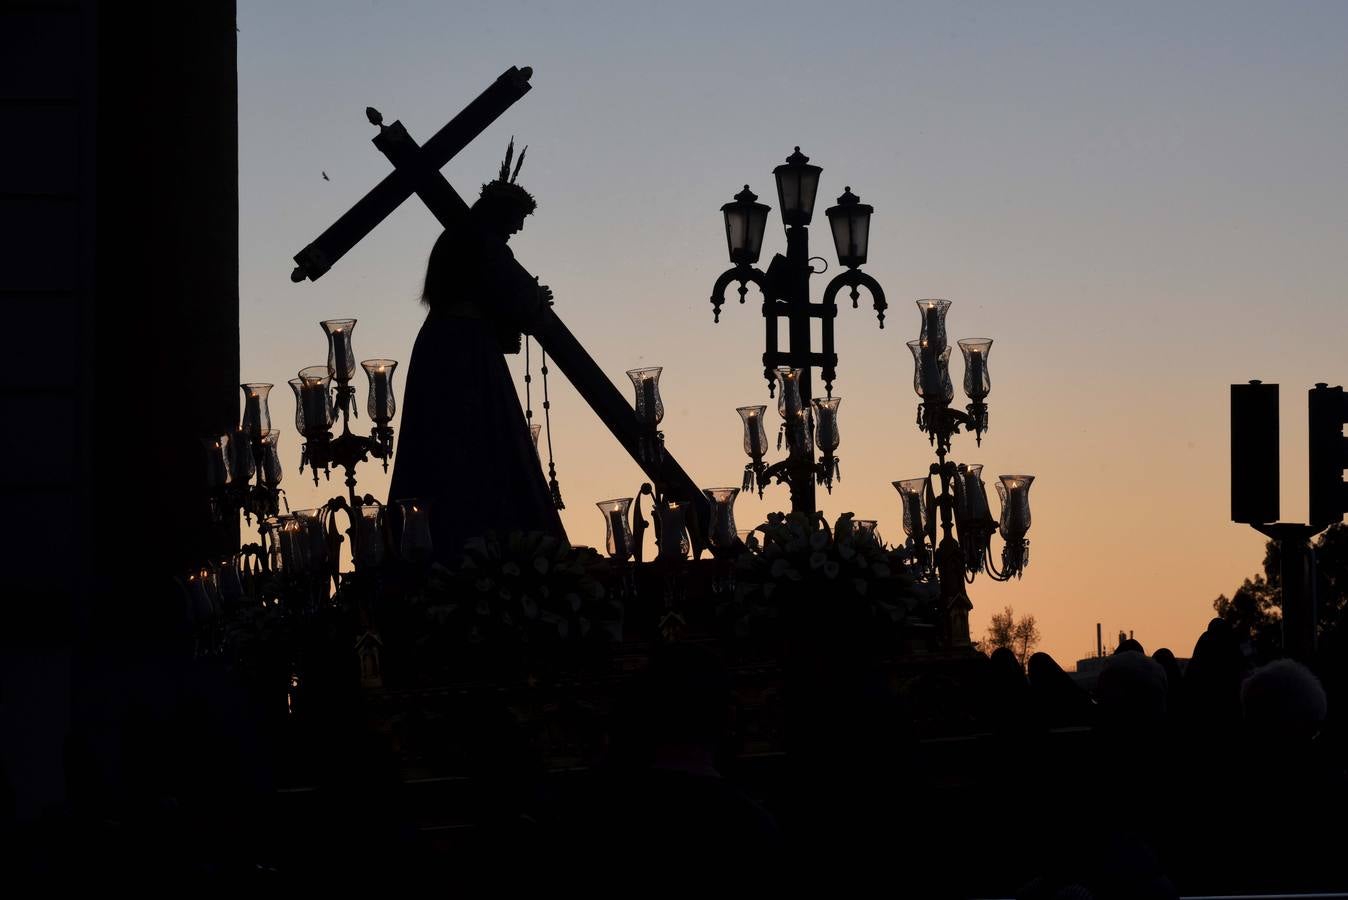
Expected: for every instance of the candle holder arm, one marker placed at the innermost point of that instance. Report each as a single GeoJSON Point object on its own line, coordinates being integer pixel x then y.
{"type": "Point", "coordinates": [989, 566]}
{"type": "Point", "coordinates": [780, 470]}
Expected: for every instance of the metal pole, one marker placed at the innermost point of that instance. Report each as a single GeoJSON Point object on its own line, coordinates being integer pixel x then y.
{"type": "Point", "coordinates": [1298, 606]}
{"type": "Point", "coordinates": [1298, 614]}
{"type": "Point", "coordinates": [798, 305]}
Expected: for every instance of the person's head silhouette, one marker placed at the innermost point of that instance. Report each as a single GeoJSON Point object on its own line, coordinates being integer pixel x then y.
{"type": "Point", "coordinates": [460, 268]}
{"type": "Point", "coordinates": [503, 204]}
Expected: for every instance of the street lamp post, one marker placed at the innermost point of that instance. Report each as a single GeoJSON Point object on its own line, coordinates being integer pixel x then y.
{"type": "Point", "coordinates": [786, 294]}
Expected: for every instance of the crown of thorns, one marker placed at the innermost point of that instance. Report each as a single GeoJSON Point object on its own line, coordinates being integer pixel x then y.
{"type": "Point", "coordinates": [504, 186]}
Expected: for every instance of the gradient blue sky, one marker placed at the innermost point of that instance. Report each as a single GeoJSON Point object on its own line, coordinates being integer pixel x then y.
{"type": "Point", "coordinates": [1141, 203]}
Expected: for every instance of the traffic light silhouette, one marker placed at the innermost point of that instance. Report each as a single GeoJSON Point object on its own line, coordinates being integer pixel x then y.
{"type": "Point", "coordinates": [1328, 454]}
{"type": "Point", "coordinates": [1254, 453]}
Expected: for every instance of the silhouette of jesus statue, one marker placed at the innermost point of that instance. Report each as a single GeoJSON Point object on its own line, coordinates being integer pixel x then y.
{"type": "Point", "coordinates": [464, 445]}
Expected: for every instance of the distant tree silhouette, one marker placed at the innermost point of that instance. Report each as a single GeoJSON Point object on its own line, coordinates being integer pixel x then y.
{"type": "Point", "coordinates": [1026, 636]}
{"type": "Point", "coordinates": [999, 632]}
{"type": "Point", "coordinates": [1020, 636]}
{"type": "Point", "coordinates": [1254, 610]}
{"type": "Point", "coordinates": [1331, 553]}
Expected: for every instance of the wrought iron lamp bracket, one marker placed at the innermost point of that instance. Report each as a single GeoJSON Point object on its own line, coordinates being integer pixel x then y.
{"type": "Point", "coordinates": [742, 273]}
{"type": "Point", "coordinates": [854, 279]}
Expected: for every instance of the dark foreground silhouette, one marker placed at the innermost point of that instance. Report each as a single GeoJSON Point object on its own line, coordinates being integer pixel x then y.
{"type": "Point", "coordinates": [1215, 779]}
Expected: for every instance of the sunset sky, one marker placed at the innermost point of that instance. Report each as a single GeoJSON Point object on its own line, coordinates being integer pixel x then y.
{"type": "Point", "coordinates": [1141, 204]}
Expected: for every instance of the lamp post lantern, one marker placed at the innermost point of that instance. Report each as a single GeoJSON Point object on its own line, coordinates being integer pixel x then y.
{"type": "Point", "coordinates": [786, 294]}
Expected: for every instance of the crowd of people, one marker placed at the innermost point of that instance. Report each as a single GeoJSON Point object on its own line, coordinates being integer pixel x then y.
{"type": "Point", "coordinates": [1219, 777]}
{"type": "Point", "coordinates": [1225, 775]}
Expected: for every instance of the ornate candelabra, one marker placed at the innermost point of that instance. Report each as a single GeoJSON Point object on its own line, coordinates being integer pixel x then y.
{"type": "Point", "coordinates": [323, 392]}
{"type": "Point", "coordinates": [244, 469]}
{"type": "Point", "coordinates": [649, 411]}
{"type": "Point", "coordinates": [808, 424]}
{"type": "Point", "coordinates": [962, 548]}
{"type": "Point", "coordinates": [678, 528]}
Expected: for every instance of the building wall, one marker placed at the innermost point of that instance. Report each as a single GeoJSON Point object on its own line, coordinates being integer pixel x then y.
{"type": "Point", "coordinates": [119, 293]}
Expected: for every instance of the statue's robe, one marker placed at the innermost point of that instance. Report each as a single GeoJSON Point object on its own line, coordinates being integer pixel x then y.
{"type": "Point", "coordinates": [464, 446]}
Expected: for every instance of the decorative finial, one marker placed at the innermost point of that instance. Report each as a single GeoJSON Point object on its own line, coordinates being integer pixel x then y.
{"type": "Point", "coordinates": [848, 198]}
{"type": "Point", "coordinates": [374, 115]}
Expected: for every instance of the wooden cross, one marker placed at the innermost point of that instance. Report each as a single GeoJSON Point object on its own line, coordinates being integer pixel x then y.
{"type": "Point", "coordinates": [417, 171]}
